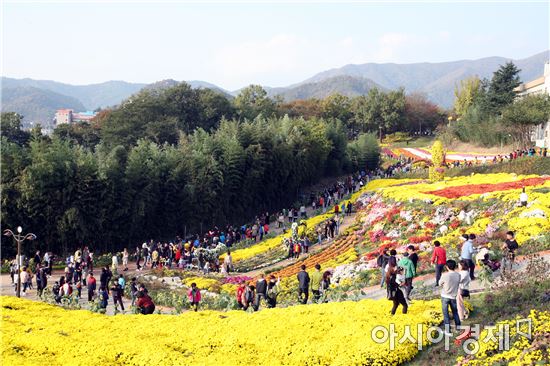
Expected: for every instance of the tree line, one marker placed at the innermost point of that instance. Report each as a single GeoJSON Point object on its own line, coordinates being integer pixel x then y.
{"type": "Point", "coordinates": [169, 161]}
{"type": "Point", "coordinates": [488, 112]}
{"type": "Point", "coordinates": [110, 197]}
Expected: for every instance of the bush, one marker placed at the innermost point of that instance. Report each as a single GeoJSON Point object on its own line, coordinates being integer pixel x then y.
{"type": "Point", "coordinates": [474, 126]}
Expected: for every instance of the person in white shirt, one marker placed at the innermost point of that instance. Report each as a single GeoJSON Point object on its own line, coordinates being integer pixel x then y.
{"type": "Point", "coordinates": [463, 290]}
{"type": "Point", "coordinates": [114, 262]}
{"type": "Point", "coordinates": [228, 262]}
{"type": "Point", "coordinates": [523, 197]}
{"type": "Point", "coordinates": [450, 282]}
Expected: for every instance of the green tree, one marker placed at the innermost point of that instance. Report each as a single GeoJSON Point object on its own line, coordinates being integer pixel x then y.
{"type": "Point", "coordinates": [467, 94]}
{"type": "Point", "coordinates": [253, 101]}
{"type": "Point", "coordinates": [337, 106]}
{"type": "Point", "coordinates": [500, 91]}
{"type": "Point", "coordinates": [364, 152]}
{"type": "Point", "coordinates": [11, 127]}
{"type": "Point", "coordinates": [523, 115]}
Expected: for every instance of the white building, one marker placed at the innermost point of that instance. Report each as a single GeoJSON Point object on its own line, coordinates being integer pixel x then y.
{"type": "Point", "coordinates": [540, 134]}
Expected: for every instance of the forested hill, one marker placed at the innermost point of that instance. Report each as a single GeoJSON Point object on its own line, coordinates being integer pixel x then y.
{"type": "Point", "coordinates": [350, 86]}
{"type": "Point", "coordinates": [37, 104]}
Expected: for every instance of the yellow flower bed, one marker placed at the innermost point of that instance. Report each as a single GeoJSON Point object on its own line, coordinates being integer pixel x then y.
{"type": "Point", "coordinates": [349, 256]}
{"type": "Point", "coordinates": [269, 244]}
{"type": "Point", "coordinates": [202, 283]}
{"type": "Point", "coordinates": [521, 350]}
{"type": "Point", "coordinates": [377, 184]}
{"type": "Point", "coordinates": [327, 334]}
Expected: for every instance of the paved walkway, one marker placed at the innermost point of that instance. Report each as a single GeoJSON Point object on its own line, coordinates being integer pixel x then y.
{"type": "Point", "coordinates": [428, 281]}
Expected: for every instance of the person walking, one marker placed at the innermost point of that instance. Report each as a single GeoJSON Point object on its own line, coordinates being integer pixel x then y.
{"type": "Point", "coordinates": [133, 290]}
{"type": "Point", "coordinates": [316, 278]}
{"type": "Point", "coordinates": [467, 252]}
{"type": "Point", "coordinates": [273, 288]}
{"type": "Point", "coordinates": [303, 285]}
{"type": "Point", "coordinates": [393, 289]}
{"type": "Point", "coordinates": [125, 256]}
{"type": "Point", "coordinates": [450, 282]}
{"type": "Point", "coordinates": [117, 292]}
{"type": "Point", "coordinates": [194, 295]}
{"type": "Point", "coordinates": [410, 272]}
{"type": "Point", "coordinates": [248, 296]}
{"type": "Point", "coordinates": [510, 246]}
{"type": "Point", "coordinates": [439, 259]}
{"type": "Point", "coordinates": [103, 298]}
{"type": "Point", "coordinates": [91, 284]}
{"type": "Point", "coordinates": [261, 291]}
{"type": "Point", "coordinates": [137, 254]}
{"type": "Point", "coordinates": [239, 295]}
{"type": "Point", "coordinates": [463, 290]}
{"type": "Point", "coordinates": [228, 262]}
{"type": "Point", "coordinates": [42, 274]}
{"type": "Point", "coordinates": [325, 285]}
{"type": "Point", "coordinates": [382, 262]}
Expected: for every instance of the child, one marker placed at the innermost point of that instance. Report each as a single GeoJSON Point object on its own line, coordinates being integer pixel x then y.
{"type": "Point", "coordinates": [194, 295]}
{"type": "Point", "coordinates": [400, 276]}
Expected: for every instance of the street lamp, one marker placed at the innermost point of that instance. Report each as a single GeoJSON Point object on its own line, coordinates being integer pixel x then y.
{"type": "Point", "coordinates": [19, 238]}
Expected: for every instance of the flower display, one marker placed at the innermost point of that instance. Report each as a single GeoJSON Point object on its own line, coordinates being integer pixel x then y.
{"type": "Point", "coordinates": [341, 251]}
{"type": "Point", "coordinates": [36, 334]}
{"type": "Point", "coordinates": [522, 350]}
{"type": "Point", "coordinates": [470, 189]}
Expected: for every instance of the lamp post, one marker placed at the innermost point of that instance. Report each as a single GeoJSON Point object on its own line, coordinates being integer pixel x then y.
{"type": "Point", "coordinates": [19, 238]}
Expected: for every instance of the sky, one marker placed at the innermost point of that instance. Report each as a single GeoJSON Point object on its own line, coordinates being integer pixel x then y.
{"type": "Point", "coordinates": [234, 44]}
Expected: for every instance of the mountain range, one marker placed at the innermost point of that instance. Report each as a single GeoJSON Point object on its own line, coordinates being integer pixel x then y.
{"type": "Point", "coordinates": [37, 100]}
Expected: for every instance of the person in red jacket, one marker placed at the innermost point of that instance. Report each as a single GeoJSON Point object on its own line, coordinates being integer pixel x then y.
{"type": "Point", "coordinates": [194, 295]}
{"type": "Point", "coordinates": [91, 284]}
{"type": "Point", "coordinates": [439, 258]}
{"type": "Point", "coordinates": [145, 304]}
{"type": "Point", "coordinates": [240, 292]}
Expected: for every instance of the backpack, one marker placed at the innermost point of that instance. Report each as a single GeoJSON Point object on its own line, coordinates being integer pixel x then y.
{"type": "Point", "coordinates": [380, 260]}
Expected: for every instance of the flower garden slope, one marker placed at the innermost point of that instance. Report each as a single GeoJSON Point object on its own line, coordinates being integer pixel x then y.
{"type": "Point", "coordinates": [327, 334]}
{"type": "Point", "coordinates": [277, 241]}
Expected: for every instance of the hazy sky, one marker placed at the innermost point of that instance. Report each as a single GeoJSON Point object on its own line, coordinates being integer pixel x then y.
{"type": "Point", "coordinates": [235, 44]}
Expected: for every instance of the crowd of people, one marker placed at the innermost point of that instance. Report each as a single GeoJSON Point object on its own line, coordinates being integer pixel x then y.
{"type": "Point", "coordinates": [398, 275]}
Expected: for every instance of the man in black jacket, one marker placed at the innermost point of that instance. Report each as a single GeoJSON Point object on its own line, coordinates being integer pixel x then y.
{"type": "Point", "coordinates": [303, 285]}
{"type": "Point", "coordinates": [261, 291]}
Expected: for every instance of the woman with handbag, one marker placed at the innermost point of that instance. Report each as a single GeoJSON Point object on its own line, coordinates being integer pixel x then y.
{"type": "Point", "coordinates": [394, 292]}
{"type": "Point", "coordinates": [463, 290]}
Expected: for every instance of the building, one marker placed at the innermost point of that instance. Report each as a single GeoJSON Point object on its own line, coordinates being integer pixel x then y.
{"type": "Point", "coordinates": [63, 116]}
{"type": "Point", "coordinates": [540, 134]}
{"type": "Point", "coordinates": [83, 116]}
{"type": "Point", "coordinates": [68, 116]}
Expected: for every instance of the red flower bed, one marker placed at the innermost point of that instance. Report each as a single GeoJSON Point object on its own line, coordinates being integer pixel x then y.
{"type": "Point", "coordinates": [419, 239]}
{"type": "Point", "coordinates": [467, 190]}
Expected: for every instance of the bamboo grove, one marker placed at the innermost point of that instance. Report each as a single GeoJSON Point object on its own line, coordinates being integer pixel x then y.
{"type": "Point", "coordinates": [110, 196]}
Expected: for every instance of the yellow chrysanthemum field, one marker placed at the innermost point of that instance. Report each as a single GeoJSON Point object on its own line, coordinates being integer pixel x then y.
{"type": "Point", "coordinates": [35, 333]}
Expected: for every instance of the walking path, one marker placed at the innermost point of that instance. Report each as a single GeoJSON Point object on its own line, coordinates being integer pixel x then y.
{"type": "Point", "coordinates": [428, 281]}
